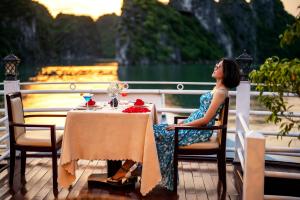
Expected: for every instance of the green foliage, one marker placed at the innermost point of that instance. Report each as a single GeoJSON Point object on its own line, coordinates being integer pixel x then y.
{"type": "Point", "coordinates": [76, 36]}
{"type": "Point", "coordinates": [29, 31]}
{"type": "Point", "coordinates": [107, 27]}
{"type": "Point", "coordinates": [269, 26]}
{"type": "Point", "coordinates": [160, 34]}
{"type": "Point", "coordinates": [291, 34]}
{"type": "Point", "coordinates": [280, 76]}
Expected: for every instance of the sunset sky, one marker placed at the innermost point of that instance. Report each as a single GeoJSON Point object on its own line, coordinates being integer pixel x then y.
{"type": "Point", "coordinates": [96, 8]}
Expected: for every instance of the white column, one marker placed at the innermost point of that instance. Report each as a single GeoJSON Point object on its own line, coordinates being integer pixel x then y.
{"type": "Point", "coordinates": [9, 86]}
{"type": "Point", "coordinates": [254, 170]}
{"type": "Point", "coordinates": [243, 107]}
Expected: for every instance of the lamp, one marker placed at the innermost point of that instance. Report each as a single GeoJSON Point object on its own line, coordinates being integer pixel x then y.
{"type": "Point", "coordinates": [11, 63]}
{"type": "Point", "coordinates": [244, 61]}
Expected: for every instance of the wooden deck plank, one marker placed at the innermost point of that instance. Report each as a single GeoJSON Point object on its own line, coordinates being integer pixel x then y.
{"type": "Point", "coordinates": [181, 186]}
{"type": "Point", "coordinates": [63, 193]}
{"type": "Point", "coordinates": [82, 180]}
{"type": "Point", "coordinates": [231, 190]}
{"type": "Point", "coordinates": [41, 183]}
{"type": "Point", "coordinates": [211, 190]}
{"type": "Point", "coordinates": [7, 192]}
{"type": "Point", "coordinates": [197, 180]}
{"type": "Point", "coordinates": [32, 178]}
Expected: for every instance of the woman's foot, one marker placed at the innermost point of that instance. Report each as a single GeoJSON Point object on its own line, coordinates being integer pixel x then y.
{"type": "Point", "coordinates": [122, 171]}
{"type": "Point", "coordinates": [120, 174]}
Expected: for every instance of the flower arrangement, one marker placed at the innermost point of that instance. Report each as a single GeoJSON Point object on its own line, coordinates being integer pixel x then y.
{"type": "Point", "coordinates": [114, 89]}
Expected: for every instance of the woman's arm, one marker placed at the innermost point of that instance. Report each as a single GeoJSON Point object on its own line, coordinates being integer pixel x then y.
{"type": "Point", "coordinates": [218, 99]}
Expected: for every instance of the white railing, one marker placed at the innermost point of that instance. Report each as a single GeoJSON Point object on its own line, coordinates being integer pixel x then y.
{"type": "Point", "coordinates": [251, 150]}
{"type": "Point", "coordinates": [245, 138]}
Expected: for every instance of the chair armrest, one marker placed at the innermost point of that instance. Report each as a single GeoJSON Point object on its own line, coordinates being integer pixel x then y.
{"type": "Point", "coordinates": [179, 117]}
{"type": "Point", "coordinates": [177, 128]}
{"type": "Point", "coordinates": [45, 115]}
{"type": "Point", "coordinates": [200, 127]}
{"type": "Point", "coordinates": [51, 126]}
{"type": "Point", "coordinates": [33, 125]}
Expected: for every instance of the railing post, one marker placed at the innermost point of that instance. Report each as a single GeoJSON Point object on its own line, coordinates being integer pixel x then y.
{"type": "Point", "coordinates": [243, 108]}
{"type": "Point", "coordinates": [9, 86]}
{"type": "Point", "coordinates": [254, 170]}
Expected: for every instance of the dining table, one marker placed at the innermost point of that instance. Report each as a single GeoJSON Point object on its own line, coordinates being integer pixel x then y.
{"type": "Point", "coordinates": [106, 133]}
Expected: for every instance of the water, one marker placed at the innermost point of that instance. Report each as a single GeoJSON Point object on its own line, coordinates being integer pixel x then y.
{"type": "Point", "coordinates": [93, 72]}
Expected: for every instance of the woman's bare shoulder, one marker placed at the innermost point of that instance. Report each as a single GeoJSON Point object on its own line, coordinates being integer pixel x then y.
{"type": "Point", "coordinates": [221, 91]}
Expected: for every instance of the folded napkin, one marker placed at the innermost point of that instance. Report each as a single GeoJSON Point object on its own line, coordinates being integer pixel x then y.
{"type": "Point", "coordinates": [136, 109]}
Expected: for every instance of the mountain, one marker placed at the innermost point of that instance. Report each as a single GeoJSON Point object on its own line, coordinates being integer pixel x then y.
{"type": "Point", "coordinates": [25, 29]}
{"type": "Point", "coordinates": [225, 28]}
{"type": "Point", "coordinates": [29, 31]}
{"type": "Point", "coordinates": [151, 32]}
{"type": "Point", "coordinates": [76, 37]}
{"type": "Point", "coordinates": [107, 27]}
{"type": "Point", "coordinates": [184, 31]}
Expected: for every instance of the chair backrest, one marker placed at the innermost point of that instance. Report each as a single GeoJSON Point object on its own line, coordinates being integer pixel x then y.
{"type": "Point", "coordinates": [15, 114]}
{"type": "Point", "coordinates": [222, 120]}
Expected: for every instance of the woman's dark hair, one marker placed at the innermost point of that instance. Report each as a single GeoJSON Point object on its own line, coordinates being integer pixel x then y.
{"type": "Point", "coordinates": [231, 73]}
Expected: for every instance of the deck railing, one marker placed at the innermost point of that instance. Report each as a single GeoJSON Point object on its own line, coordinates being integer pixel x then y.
{"type": "Point", "coordinates": [244, 137]}
{"type": "Point", "coordinates": [251, 150]}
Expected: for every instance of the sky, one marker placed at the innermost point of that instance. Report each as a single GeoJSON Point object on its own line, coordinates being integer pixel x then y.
{"type": "Point", "coordinates": [96, 8]}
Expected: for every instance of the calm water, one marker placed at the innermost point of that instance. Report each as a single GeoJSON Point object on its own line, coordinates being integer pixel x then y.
{"type": "Point", "coordinates": [111, 72]}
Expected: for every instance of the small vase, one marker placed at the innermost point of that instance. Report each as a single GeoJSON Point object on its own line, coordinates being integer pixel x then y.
{"type": "Point", "coordinates": [114, 102]}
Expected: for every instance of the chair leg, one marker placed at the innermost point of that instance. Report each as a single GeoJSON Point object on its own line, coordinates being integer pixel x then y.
{"type": "Point", "coordinates": [23, 166]}
{"type": "Point", "coordinates": [54, 169]}
{"type": "Point", "coordinates": [222, 170]}
{"type": "Point", "coordinates": [12, 166]}
{"type": "Point", "coordinates": [175, 176]}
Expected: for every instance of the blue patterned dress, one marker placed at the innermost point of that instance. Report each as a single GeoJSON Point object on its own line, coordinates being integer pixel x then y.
{"type": "Point", "coordinates": [165, 139]}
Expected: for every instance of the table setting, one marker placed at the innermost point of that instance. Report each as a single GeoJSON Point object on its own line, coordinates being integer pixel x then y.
{"type": "Point", "coordinates": [95, 132]}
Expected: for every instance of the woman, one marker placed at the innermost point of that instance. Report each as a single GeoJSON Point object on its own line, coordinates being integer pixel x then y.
{"type": "Point", "coordinates": [227, 75]}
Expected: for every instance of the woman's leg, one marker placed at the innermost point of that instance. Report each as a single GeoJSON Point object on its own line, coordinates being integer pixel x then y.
{"type": "Point", "coordinates": [165, 148]}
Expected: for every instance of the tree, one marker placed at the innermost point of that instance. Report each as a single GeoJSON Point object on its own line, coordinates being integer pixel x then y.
{"type": "Point", "coordinates": [281, 76]}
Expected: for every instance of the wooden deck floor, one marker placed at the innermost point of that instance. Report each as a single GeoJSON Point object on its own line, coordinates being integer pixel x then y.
{"type": "Point", "coordinates": [198, 180]}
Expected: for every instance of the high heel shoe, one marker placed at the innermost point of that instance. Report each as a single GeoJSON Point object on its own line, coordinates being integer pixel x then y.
{"type": "Point", "coordinates": [118, 180]}
{"type": "Point", "coordinates": [128, 177]}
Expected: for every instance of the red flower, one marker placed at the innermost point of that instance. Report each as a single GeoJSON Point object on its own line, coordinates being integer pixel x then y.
{"type": "Point", "coordinates": [91, 102]}
{"type": "Point", "coordinates": [139, 102]}
{"type": "Point", "coordinates": [123, 94]}
{"type": "Point", "coordinates": [135, 109]}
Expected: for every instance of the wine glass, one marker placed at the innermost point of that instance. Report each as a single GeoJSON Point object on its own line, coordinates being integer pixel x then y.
{"type": "Point", "coordinates": [87, 97]}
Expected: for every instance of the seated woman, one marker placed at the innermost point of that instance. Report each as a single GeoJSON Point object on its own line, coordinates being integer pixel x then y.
{"type": "Point", "coordinates": [227, 75]}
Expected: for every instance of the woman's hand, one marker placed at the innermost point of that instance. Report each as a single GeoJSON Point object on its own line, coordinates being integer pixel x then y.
{"type": "Point", "coordinates": [171, 127]}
